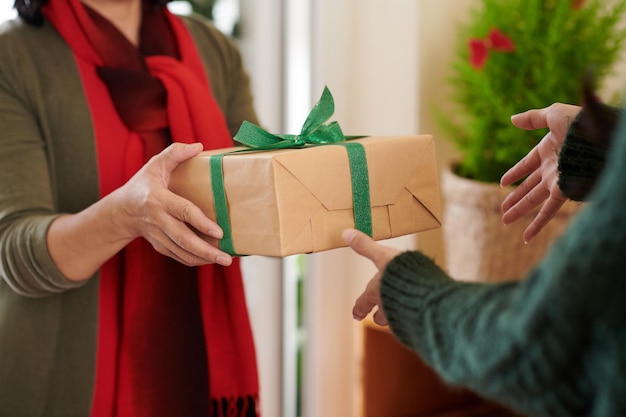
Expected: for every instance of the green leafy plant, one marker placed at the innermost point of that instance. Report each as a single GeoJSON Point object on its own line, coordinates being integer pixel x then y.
{"type": "Point", "coordinates": [514, 55]}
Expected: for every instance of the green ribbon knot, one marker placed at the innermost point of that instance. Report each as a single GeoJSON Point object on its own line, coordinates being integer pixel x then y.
{"type": "Point", "coordinates": [316, 131]}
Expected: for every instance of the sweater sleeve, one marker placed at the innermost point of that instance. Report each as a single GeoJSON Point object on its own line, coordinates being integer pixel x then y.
{"type": "Point", "coordinates": [583, 154]}
{"type": "Point", "coordinates": [27, 206]}
{"type": "Point", "coordinates": [553, 344]}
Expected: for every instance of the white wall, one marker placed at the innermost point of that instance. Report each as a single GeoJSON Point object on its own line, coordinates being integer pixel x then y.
{"type": "Point", "coordinates": [366, 52]}
{"type": "Point", "coordinates": [263, 56]}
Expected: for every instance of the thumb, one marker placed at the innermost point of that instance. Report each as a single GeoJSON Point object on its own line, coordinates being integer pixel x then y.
{"type": "Point", "coordinates": [530, 119]}
{"type": "Point", "coordinates": [177, 153]}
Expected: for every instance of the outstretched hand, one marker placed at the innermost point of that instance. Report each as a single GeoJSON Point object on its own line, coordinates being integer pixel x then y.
{"type": "Point", "coordinates": [380, 255]}
{"type": "Point", "coordinates": [540, 167]}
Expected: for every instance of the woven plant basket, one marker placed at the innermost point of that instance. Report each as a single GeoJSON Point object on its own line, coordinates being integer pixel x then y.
{"type": "Point", "coordinates": [479, 247]}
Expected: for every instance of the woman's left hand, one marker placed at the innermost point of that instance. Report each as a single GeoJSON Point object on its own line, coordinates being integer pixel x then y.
{"type": "Point", "coordinates": [380, 256]}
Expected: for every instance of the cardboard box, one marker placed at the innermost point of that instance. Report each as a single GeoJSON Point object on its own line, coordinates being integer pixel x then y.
{"type": "Point", "coordinates": [294, 201]}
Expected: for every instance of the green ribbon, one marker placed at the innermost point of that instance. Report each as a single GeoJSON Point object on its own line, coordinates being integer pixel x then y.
{"type": "Point", "coordinates": [360, 187]}
{"type": "Point", "coordinates": [221, 205]}
{"type": "Point", "coordinates": [316, 131]}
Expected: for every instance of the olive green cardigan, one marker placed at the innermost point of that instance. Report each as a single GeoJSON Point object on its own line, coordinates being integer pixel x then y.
{"type": "Point", "coordinates": [48, 325]}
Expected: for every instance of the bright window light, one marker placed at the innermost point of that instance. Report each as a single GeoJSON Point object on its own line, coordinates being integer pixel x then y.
{"type": "Point", "coordinates": [181, 7]}
{"type": "Point", "coordinates": [7, 11]}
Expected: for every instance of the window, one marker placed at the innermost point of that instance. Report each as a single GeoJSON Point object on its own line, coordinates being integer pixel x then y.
{"type": "Point", "coordinates": [7, 11]}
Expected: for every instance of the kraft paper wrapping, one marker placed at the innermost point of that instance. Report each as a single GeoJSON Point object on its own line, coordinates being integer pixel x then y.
{"type": "Point", "coordinates": [294, 201]}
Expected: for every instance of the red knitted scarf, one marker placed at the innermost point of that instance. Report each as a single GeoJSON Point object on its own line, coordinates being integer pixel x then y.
{"type": "Point", "coordinates": [172, 340]}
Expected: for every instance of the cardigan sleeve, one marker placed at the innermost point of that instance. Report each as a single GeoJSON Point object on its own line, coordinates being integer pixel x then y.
{"type": "Point", "coordinates": [553, 344]}
{"type": "Point", "coordinates": [26, 200]}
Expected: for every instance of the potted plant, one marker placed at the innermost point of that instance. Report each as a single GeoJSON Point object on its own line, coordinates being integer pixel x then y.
{"type": "Point", "coordinates": [513, 55]}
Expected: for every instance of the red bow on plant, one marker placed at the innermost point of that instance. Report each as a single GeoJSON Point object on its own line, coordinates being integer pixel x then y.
{"type": "Point", "coordinates": [479, 48]}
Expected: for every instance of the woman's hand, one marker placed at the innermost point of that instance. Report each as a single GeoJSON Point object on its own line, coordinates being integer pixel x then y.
{"type": "Point", "coordinates": [380, 256]}
{"type": "Point", "coordinates": [147, 208]}
{"type": "Point", "coordinates": [540, 167]}
{"type": "Point", "coordinates": [144, 207]}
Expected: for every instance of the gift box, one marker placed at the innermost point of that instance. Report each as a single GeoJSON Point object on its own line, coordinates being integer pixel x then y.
{"type": "Point", "coordinates": [291, 194]}
{"type": "Point", "coordinates": [293, 201]}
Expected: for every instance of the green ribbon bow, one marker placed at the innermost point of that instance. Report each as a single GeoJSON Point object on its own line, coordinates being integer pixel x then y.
{"type": "Point", "coordinates": [315, 131]}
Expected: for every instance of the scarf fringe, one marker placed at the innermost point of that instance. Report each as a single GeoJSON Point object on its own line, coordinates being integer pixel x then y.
{"type": "Point", "coordinates": [235, 407]}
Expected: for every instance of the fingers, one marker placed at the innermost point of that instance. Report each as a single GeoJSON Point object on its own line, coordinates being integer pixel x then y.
{"type": "Point", "coordinates": [169, 222]}
{"type": "Point", "coordinates": [187, 212]}
{"type": "Point", "coordinates": [187, 248]}
{"type": "Point", "coordinates": [547, 212]}
{"type": "Point", "coordinates": [380, 255]}
{"type": "Point", "coordinates": [520, 191]}
{"type": "Point", "coordinates": [526, 204]}
{"type": "Point", "coordinates": [368, 301]}
{"type": "Point", "coordinates": [181, 219]}
{"type": "Point", "coordinates": [525, 166]}
{"type": "Point", "coordinates": [191, 249]}
{"type": "Point", "coordinates": [380, 318]}
{"type": "Point", "coordinates": [173, 236]}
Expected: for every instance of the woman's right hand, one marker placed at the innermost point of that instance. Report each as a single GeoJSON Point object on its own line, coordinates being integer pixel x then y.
{"type": "Point", "coordinates": [143, 207]}
{"type": "Point", "coordinates": [540, 167]}
{"type": "Point", "coordinates": [148, 209]}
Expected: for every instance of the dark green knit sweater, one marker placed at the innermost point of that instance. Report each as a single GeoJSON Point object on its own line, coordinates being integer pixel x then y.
{"type": "Point", "coordinates": [553, 344]}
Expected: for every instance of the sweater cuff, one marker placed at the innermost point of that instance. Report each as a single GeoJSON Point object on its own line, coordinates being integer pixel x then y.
{"type": "Point", "coordinates": [407, 286]}
{"type": "Point", "coordinates": [583, 154]}
{"type": "Point", "coordinates": [35, 273]}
